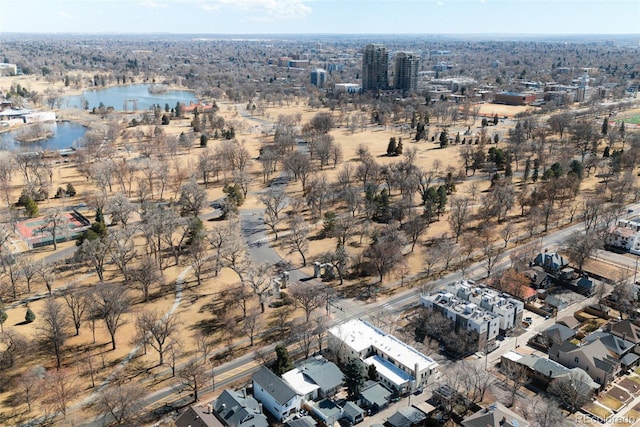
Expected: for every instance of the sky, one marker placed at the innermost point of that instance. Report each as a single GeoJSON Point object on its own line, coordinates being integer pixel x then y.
{"type": "Point", "coordinates": [322, 16]}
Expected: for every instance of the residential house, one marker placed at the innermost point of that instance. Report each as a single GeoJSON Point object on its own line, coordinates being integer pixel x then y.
{"type": "Point", "coordinates": [315, 378]}
{"type": "Point", "coordinates": [619, 347]}
{"type": "Point", "coordinates": [398, 365]}
{"type": "Point", "coordinates": [238, 409]}
{"type": "Point", "coordinates": [374, 396]}
{"type": "Point", "coordinates": [326, 411]}
{"type": "Point", "coordinates": [353, 413]}
{"type": "Point", "coordinates": [406, 417]}
{"type": "Point", "coordinates": [624, 235]}
{"type": "Point", "coordinates": [558, 333]}
{"type": "Point", "coordinates": [305, 421]}
{"type": "Point", "coordinates": [627, 330]}
{"type": "Point", "coordinates": [593, 357]}
{"type": "Point", "coordinates": [276, 396]}
{"type": "Point", "coordinates": [552, 262]}
{"type": "Point", "coordinates": [570, 322]}
{"type": "Point", "coordinates": [495, 415]}
{"type": "Point", "coordinates": [198, 416]}
{"type": "Point", "coordinates": [543, 370]}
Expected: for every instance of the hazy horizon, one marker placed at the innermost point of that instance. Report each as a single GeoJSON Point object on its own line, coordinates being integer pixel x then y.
{"type": "Point", "coordinates": [526, 18]}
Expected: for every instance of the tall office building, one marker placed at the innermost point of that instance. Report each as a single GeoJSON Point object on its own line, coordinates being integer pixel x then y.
{"type": "Point", "coordinates": [318, 77]}
{"type": "Point", "coordinates": [375, 67]}
{"type": "Point", "coordinates": [406, 74]}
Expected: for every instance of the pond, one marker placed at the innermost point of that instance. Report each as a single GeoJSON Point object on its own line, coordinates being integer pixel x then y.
{"type": "Point", "coordinates": [128, 98]}
{"type": "Point", "coordinates": [64, 135]}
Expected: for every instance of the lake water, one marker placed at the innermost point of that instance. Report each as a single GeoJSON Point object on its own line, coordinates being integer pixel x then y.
{"type": "Point", "coordinates": [118, 96]}
{"type": "Point", "coordinates": [65, 135]}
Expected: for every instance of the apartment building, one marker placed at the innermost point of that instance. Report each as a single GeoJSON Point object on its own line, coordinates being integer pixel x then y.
{"type": "Point", "coordinates": [399, 366]}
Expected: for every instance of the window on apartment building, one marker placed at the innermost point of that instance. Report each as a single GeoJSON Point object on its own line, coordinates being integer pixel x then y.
{"type": "Point", "coordinates": [577, 360]}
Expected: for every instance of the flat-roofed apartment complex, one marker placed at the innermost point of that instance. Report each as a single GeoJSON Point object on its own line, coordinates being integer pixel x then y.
{"type": "Point", "coordinates": [477, 308]}
{"type": "Point", "coordinates": [375, 67]}
{"type": "Point", "coordinates": [399, 366]}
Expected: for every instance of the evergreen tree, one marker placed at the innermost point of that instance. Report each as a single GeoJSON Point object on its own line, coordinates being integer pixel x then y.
{"type": "Point", "coordinates": [29, 316]}
{"type": "Point", "coordinates": [536, 167]}
{"type": "Point", "coordinates": [527, 170]}
{"type": "Point", "coordinates": [607, 152]}
{"type": "Point", "coordinates": [178, 110]}
{"type": "Point", "coordinates": [508, 171]}
{"type": "Point", "coordinates": [442, 199]}
{"type": "Point", "coordinates": [204, 140]}
{"type": "Point", "coordinates": [495, 120]}
{"type": "Point", "coordinates": [458, 138]}
{"type": "Point", "coordinates": [353, 378]}
{"type": "Point", "coordinates": [283, 360]}
{"type": "Point", "coordinates": [398, 151]}
{"type": "Point", "coordinates": [622, 130]}
{"type": "Point", "coordinates": [444, 138]}
{"type": "Point", "coordinates": [391, 147]}
{"type": "Point", "coordinates": [31, 208]}
{"type": "Point", "coordinates": [605, 126]}
{"type": "Point", "coordinates": [3, 318]}
{"type": "Point", "coordinates": [372, 373]}
{"type": "Point", "coordinates": [71, 190]}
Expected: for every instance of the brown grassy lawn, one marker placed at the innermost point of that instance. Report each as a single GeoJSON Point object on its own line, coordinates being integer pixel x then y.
{"type": "Point", "coordinates": [610, 402]}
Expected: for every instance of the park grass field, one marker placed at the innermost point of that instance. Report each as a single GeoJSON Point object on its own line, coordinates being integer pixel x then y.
{"type": "Point", "coordinates": [633, 120]}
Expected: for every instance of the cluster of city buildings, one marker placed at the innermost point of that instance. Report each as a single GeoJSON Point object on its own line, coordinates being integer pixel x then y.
{"type": "Point", "coordinates": [474, 307]}
{"type": "Point", "coordinates": [595, 359]}
{"type": "Point", "coordinates": [308, 393]}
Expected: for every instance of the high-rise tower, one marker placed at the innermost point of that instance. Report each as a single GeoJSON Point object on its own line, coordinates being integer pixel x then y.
{"type": "Point", "coordinates": [375, 67]}
{"type": "Point", "coordinates": [406, 73]}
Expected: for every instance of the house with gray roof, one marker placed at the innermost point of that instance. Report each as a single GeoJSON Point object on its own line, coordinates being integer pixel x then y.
{"type": "Point", "coordinates": [326, 411]}
{"type": "Point", "coordinates": [315, 378]}
{"type": "Point", "coordinates": [406, 417]}
{"type": "Point", "coordinates": [552, 262]}
{"type": "Point", "coordinates": [593, 357]}
{"type": "Point", "coordinates": [238, 409]}
{"type": "Point", "coordinates": [374, 396]}
{"type": "Point", "coordinates": [543, 370]}
{"type": "Point", "coordinates": [276, 396]}
{"type": "Point", "coordinates": [495, 415]}
{"type": "Point", "coordinates": [353, 413]}
{"type": "Point", "coordinates": [557, 333]}
{"type": "Point", "coordinates": [620, 348]}
{"type": "Point", "coordinates": [305, 421]}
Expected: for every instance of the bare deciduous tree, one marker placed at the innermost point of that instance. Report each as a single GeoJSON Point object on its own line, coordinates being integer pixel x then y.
{"type": "Point", "coordinates": [119, 401]}
{"type": "Point", "coordinates": [53, 327]}
{"type": "Point", "coordinates": [297, 240]}
{"type": "Point", "coordinates": [76, 300]}
{"type": "Point", "coordinates": [193, 375]}
{"type": "Point", "coordinates": [157, 329]}
{"type": "Point", "coordinates": [110, 303]}
{"type": "Point", "coordinates": [275, 201]}
{"type": "Point", "coordinates": [309, 297]}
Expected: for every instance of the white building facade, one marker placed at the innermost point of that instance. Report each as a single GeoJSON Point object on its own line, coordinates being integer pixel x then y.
{"type": "Point", "coordinates": [398, 365]}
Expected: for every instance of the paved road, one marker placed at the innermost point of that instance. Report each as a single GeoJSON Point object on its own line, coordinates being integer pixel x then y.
{"type": "Point", "coordinates": [257, 237]}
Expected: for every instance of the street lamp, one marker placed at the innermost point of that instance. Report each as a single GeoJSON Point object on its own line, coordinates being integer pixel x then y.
{"type": "Point", "coordinates": [213, 378]}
